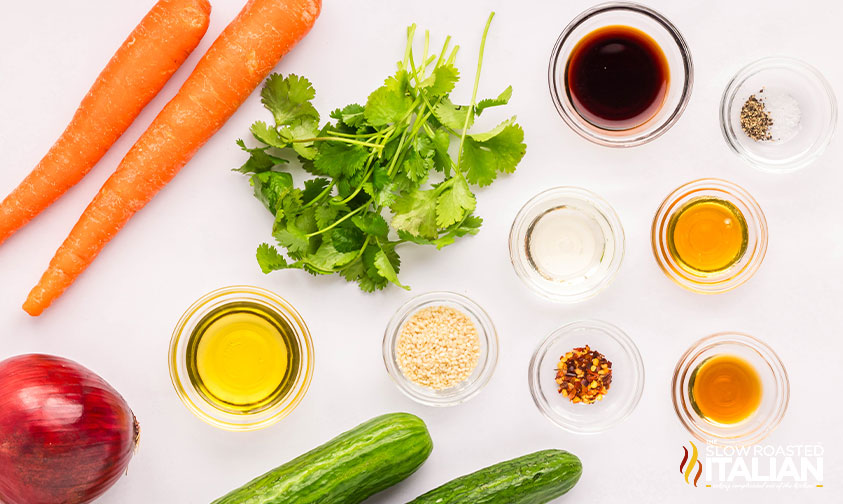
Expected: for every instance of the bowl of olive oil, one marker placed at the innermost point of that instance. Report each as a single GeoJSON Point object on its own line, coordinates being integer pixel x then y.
{"type": "Point", "coordinates": [241, 358]}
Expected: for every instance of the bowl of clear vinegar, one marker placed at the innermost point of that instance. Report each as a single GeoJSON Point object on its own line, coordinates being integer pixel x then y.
{"type": "Point", "coordinates": [566, 244]}
{"type": "Point", "coordinates": [241, 358]}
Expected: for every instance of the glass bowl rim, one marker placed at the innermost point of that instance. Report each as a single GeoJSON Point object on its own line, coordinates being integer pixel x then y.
{"type": "Point", "coordinates": [763, 350]}
{"type": "Point", "coordinates": [686, 280]}
{"type": "Point", "coordinates": [613, 332]}
{"type": "Point", "coordinates": [486, 332]}
{"type": "Point", "coordinates": [602, 206]}
{"type": "Point", "coordinates": [730, 92]}
{"type": "Point", "coordinates": [622, 141]}
{"type": "Point", "coordinates": [194, 314]}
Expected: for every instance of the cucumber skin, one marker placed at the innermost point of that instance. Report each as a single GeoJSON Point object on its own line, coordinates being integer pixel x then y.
{"type": "Point", "coordinates": [346, 470]}
{"type": "Point", "coordinates": [536, 478]}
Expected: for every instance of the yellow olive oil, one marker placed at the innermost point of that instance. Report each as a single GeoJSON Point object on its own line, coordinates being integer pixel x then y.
{"type": "Point", "coordinates": [707, 236]}
{"type": "Point", "coordinates": [725, 389]}
{"type": "Point", "coordinates": [243, 357]}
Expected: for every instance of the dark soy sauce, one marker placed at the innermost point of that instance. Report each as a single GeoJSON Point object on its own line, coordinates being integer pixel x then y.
{"type": "Point", "coordinates": [617, 77]}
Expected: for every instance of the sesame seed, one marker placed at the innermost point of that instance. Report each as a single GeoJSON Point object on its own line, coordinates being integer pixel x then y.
{"type": "Point", "coordinates": [438, 347]}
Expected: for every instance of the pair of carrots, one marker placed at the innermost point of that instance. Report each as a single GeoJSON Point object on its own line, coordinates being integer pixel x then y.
{"type": "Point", "coordinates": [235, 64]}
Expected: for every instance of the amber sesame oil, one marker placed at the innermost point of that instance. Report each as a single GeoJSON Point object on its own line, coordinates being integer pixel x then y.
{"type": "Point", "coordinates": [242, 357]}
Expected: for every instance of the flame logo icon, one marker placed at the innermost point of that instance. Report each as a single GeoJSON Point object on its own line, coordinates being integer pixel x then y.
{"type": "Point", "coordinates": [686, 467]}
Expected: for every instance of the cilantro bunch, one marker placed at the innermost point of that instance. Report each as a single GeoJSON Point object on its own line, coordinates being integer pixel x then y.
{"type": "Point", "coordinates": [383, 172]}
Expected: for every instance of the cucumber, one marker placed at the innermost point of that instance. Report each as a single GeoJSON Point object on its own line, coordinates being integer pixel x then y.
{"type": "Point", "coordinates": [346, 470]}
{"type": "Point", "coordinates": [532, 479]}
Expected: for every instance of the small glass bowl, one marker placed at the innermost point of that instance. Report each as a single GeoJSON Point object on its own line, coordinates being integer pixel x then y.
{"type": "Point", "coordinates": [817, 104]}
{"type": "Point", "coordinates": [195, 401]}
{"type": "Point", "coordinates": [666, 36]}
{"type": "Point", "coordinates": [627, 377]}
{"type": "Point", "coordinates": [774, 396]}
{"type": "Point", "coordinates": [593, 280]}
{"type": "Point", "coordinates": [735, 275]}
{"type": "Point", "coordinates": [481, 375]}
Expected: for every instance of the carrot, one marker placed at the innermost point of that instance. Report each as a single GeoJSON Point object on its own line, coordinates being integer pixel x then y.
{"type": "Point", "coordinates": [151, 54]}
{"type": "Point", "coordinates": [237, 62]}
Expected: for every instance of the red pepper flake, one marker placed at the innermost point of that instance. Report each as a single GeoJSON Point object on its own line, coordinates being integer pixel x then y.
{"type": "Point", "coordinates": [584, 375]}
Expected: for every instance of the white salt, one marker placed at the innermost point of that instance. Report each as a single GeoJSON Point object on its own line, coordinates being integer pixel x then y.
{"type": "Point", "coordinates": [785, 113]}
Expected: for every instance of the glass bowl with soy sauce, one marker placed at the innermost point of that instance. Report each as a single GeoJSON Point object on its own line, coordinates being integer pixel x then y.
{"type": "Point", "coordinates": [730, 389]}
{"type": "Point", "coordinates": [620, 74]}
{"type": "Point", "coordinates": [241, 358]}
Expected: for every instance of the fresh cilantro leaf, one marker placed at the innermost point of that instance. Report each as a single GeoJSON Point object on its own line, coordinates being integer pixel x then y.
{"type": "Point", "coordinates": [372, 280]}
{"type": "Point", "coordinates": [297, 134]}
{"type": "Point", "coordinates": [292, 238]}
{"type": "Point", "coordinates": [259, 160]}
{"type": "Point", "coordinates": [313, 188]}
{"type": "Point", "coordinates": [484, 156]}
{"type": "Point", "coordinates": [269, 259]}
{"type": "Point", "coordinates": [454, 202]}
{"type": "Point", "coordinates": [386, 270]}
{"type": "Point", "coordinates": [336, 159]}
{"type": "Point", "coordinates": [288, 98]}
{"type": "Point", "coordinates": [445, 77]}
{"type": "Point", "coordinates": [390, 102]}
{"type": "Point", "coordinates": [326, 213]}
{"type": "Point", "coordinates": [415, 213]}
{"type": "Point", "coordinates": [267, 134]}
{"type": "Point", "coordinates": [441, 158]}
{"type": "Point", "coordinates": [347, 239]}
{"type": "Point", "coordinates": [380, 176]}
{"type": "Point", "coordinates": [419, 160]}
{"type": "Point", "coordinates": [453, 116]}
{"type": "Point", "coordinates": [327, 257]}
{"type": "Point", "coordinates": [502, 99]}
{"type": "Point", "coordinates": [352, 115]}
{"type": "Point", "coordinates": [469, 226]}
{"type": "Point", "coordinates": [371, 223]}
{"type": "Point", "coordinates": [270, 187]}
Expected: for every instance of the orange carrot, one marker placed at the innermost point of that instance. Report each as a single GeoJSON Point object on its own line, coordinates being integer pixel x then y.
{"type": "Point", "coordinates": [237, 62]}
{"type": "Point", "coordinates": [136, 73]}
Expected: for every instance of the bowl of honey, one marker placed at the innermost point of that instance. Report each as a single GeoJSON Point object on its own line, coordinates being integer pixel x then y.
{"type": "Point", "coordinates": [241, 358]}
{"type": "Point", "coordinates": [620, 74]}
{"type": "Point", "coordinates": [709, 236]}
{"type": "Point", "coordinates": [730, 389]}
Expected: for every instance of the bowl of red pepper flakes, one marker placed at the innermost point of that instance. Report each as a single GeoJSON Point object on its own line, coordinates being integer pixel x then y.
{"type": "Point", "coordinates": [587, 376]}
{"type": "Point", "coordinates": [584, 375]}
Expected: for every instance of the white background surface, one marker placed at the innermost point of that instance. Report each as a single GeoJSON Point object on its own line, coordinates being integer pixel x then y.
{"type": "Point", "coordinates": [200, 233]}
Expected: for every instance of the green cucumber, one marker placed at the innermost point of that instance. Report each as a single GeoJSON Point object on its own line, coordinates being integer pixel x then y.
{"type": "Point", "coordinates": [532, 479]}
{"type": "Point", "coordinates": [347, 469]}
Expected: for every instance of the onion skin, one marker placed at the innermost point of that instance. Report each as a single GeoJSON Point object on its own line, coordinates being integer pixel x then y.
{"type": "Point", "coordinates": [66, 436]}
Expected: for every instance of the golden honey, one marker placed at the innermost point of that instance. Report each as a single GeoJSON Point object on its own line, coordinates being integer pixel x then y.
{"type": "Point", "coordinates": [242, 357]}
{"type": "Point", "coordinates": [725, 389]}
{"type": "Point", "coordinates": [707, 236]}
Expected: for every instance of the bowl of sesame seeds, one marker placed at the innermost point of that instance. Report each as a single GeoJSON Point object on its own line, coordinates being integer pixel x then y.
{"type": "Point", "coordinates": [440, 348]}
{"type": "Point", "coordinates": [586, 376]}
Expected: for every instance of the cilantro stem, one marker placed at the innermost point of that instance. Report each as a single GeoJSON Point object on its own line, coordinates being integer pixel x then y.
{"type": "Point", "coordinates": [338, 222]}
{"type": "Point", "coordinates": [470, 111]}
{"type": "Point", "coordinates": [411, 32]}
{"type": "Point", "coordinates": [444, 50]}
{"type": "Point", "coordinates": [339, 139]}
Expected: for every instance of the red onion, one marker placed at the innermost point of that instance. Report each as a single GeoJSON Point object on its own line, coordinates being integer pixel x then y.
{"type": "Point", "coordinates": [66, 435]}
